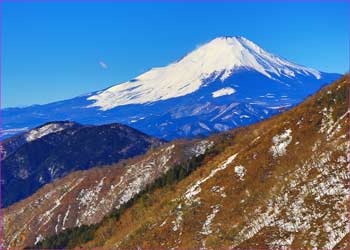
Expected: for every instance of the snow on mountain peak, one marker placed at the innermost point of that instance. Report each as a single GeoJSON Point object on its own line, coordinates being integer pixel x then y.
{"type": "Point", "coordinates": [241, 52]}
{"type": "Point", "coordinates": [218, 58]}
{"type": "Point", "coordinates": [47, 129]}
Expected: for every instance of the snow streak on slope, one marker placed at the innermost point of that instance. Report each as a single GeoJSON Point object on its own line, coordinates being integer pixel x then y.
{"type": "Point", "coordinates": [47, 129]}
{"type": "Point", "coordinates": [217, 59]}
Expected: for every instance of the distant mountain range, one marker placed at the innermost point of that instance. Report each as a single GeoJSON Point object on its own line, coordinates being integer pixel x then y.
{"type": "Point", "coordinates": [53, 150]}
{"type": "Point", "coordinates": [225, 83]}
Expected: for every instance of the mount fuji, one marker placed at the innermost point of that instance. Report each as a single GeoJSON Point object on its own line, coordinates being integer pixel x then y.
{"type": "Point", "coordinates": [225, 83]}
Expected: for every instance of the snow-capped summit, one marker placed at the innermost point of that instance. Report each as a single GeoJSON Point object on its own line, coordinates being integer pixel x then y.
{"type": "Point", "coordinates": [217, 59]}
{"type": "Point", "coordinates": [225, 83]}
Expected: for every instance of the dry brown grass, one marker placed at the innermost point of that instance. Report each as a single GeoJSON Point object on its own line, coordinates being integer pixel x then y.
{"type": "Point", "coordinates": [266, 177]}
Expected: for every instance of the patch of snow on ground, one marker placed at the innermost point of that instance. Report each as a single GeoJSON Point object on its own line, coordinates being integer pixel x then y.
{"type": "Point", "coordinates": [206, 229]}
{"type": "Point", "coordinates": [282, 243]}
{"type": "Point", "coordinates": [38, 239]}
{"type": "Point", "coordinates": [139, 175]}
{"type": "Point", "coordinates": [58, 222]}
{"type": "Point", "coordinates": [280, 143]}
{"type": "Point", "coordinates": [178, 220]}
{"type": "Point", "coordinates": [88, 199]}
{"type": "Point", "coordinates": [204, 126]}
{"type": "Point", "coordinates": [49, 213]}
{"type": "Point", "coordinates": [327, 119]}
{"type": "Point", "coordinates": [240, 171]}
{"type": "Point", "coordinates": [195, 189]}
{"type": "Point", "coordinates": [221, 127]}
{"type": "Point", "coordinates": [333, 127]}
{"type": "Point", "coordinates": [163, 223]}
{"type": "Point", "coordinates": [201, 147]}
{"type": "Point", "coordinates": [65, 218]}
{"type": "Point", "coordinates": [219, 190]}
{"type": "Point", "coordinates": [45, 130]}
{"type": "Point", "coordinates": [223, 92]}
{"type": "Point", "coordinates": [280, 107]}
{"type": "Point", "coordinates": [328, 187]}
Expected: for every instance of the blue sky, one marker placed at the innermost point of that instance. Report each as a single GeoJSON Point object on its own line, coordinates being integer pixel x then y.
{"type": "Point", "coordinates": [53, 51]}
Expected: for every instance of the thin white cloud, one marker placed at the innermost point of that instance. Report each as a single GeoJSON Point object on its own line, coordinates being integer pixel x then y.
{"type": "Point", "coordinates": [103, 65]}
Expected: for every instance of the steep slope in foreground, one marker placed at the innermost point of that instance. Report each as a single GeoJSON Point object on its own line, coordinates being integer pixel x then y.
{"type": "Point", "coordinates": [225, 83]}
{"type": "Point", "coordinates": [85, 197]}
{"type": "Point", "coordinates": [55, 149]}
{"type": "Point", "coordinates": [283, 183]}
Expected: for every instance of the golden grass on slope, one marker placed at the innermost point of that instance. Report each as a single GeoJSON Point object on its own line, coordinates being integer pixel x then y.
{"type": "Point", "coordinates": [151, 225]}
